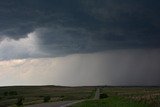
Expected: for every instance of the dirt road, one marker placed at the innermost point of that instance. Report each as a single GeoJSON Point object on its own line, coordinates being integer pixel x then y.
{"type": "Point", "coordinates": [54, 104]}
{"type": "Point", "coordinates": [97, 94]}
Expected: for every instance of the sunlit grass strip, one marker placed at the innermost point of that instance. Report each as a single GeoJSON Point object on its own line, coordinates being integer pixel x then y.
{"type": "Point", "coordinates": [110, 102]}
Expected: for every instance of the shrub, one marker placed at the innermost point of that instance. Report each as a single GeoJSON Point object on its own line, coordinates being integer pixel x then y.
{"type": "Point", "coordinates": [46, 98]}
{"type": "Point", "coordinates": [103, 95]}
{"type": "Point", "coordinates": [20, 101]}
{"type": "Point", "coordinates": [5, 93]}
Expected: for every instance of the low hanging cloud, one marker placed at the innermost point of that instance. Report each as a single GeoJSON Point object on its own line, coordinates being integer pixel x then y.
{"type": "Point", "coordinates": [118, 67]}
{"type": "Point", "coordinates": [61, 41]}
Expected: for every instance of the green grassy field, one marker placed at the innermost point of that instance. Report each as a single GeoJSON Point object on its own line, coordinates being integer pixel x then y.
{"type": "Point", "coordinates": [126, 97]}
{"type": "Point", "coordinates": [110, 102]}
{"type": "Point", "coordinates": [36, 94]}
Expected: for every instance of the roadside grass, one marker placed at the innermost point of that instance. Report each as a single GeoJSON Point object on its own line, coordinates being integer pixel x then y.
{"type": "Point", "coordinates": [148, 95]}
{"type": "Point", "coordinates": [113, 101]}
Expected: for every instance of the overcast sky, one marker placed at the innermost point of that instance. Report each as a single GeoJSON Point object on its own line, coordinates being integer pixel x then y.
{"type": "Point", "coordinates": [79, 42]}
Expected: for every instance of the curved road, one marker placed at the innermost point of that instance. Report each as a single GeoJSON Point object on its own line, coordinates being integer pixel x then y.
{"type": "Point", "coordinates": [64, 103]}
{"type": "Point", "coordinates": [55, 104]}
{"type": "Point", "coordinates": [97, 94]}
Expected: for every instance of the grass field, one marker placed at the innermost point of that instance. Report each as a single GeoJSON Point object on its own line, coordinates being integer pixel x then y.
{"type": "Point", "coordinates": [126, 97]}
{"type": "Point", "coordinates": [35, 94]}
{"type": "Point", "coordinates": [117, 96]}
{"type": "Point", "coordinates": [110, 102]}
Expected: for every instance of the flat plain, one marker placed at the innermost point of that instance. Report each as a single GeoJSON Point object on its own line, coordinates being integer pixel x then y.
{"type": "Point", "coordinates": [116, 96]}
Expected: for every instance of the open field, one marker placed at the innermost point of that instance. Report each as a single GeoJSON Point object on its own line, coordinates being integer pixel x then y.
{"type": "Point", "coordinates": [117, 96]}
{"type": "Point", "coordinates": [36, 94]}
{"type": "Point", "coordinates": [126, 97]}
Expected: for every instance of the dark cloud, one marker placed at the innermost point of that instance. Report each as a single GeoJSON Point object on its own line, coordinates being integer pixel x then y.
{"type": "Point", "coordinates": [76, 26]}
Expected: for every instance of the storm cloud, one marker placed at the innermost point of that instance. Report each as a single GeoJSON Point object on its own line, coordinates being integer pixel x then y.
{"type": "Point", "coordinates": [82, 26]}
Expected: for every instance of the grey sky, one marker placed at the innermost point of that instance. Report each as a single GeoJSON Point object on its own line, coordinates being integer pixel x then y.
{"type": "Point", "coordinates": [118, 67]}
